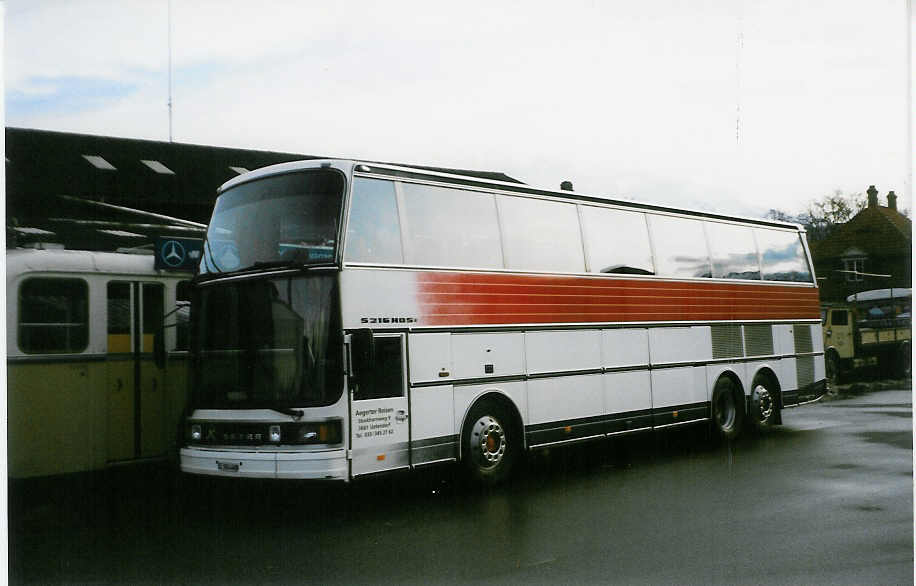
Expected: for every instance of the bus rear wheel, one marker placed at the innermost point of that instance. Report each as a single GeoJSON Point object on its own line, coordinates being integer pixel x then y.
{"type": "Point", "coordinates": [490, 443]}
{"type": "Point", "coordinates": [764, 402]}
{"type": "Point", "coordinates": [727, 412]}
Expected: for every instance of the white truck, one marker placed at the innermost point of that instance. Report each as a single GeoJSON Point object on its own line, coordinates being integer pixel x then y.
{"type": "Point", "coordinates": [873, 328]}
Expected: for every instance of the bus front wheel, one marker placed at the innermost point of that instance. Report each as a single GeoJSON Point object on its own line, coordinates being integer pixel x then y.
{"type": "Point", "coordinates": [490, 442]}
{"type": "Point", "coordinates": [727, 412]}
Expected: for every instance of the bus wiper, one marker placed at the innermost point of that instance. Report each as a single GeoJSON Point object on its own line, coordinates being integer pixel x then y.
{"type": "Point", "coordinates": [297, 413]}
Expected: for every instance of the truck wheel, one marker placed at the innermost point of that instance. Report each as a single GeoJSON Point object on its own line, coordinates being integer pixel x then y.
{"type": "Point", "coordinates": [727, 412]}
{"type": "Point", "coordinates": [490, 442]}
{"type": "Point", "coordinates": [905, 360]}
{"type": "Point", "coordinates": [832, 366]}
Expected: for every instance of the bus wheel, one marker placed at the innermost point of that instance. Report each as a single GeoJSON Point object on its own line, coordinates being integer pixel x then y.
{"type": "Point", "coordinates": [727, 415]}
{"type": "Point", "coordinates": [764, 405]}
{"type": "Point", "coordinates": [832, 366]}
{"type": "Point", "coordinates": [490, 443]}
{"type": "Point", "coordinates": [904, 360]}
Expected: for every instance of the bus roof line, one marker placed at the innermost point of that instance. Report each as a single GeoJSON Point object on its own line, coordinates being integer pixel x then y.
{"type": "Point", "coordinates": [387, 169]}
{"type": "Point", "coordinates": [524, 188]}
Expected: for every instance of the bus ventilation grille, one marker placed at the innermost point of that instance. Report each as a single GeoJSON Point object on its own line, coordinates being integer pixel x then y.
{"type": "Point", "coordinates": [805, 368]}
{"type": "Point", "coordinates": [726, 342]}
{"type": "Point", "coordinates": [758, 339]}
{"type": "Point", "coordinates": [802, 335]}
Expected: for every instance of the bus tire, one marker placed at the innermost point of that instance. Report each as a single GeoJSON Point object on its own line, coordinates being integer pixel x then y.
{"type": "Point", "coordinates": [905, 360]}
{"type": "Point", "coordinates": [764, 412]}
{"type": "Point", "coordinates": [727, 409]}
{"type": "Point", "coordinates": [833, 368]}
{"type": "Point", "coordinates": [491, 444]}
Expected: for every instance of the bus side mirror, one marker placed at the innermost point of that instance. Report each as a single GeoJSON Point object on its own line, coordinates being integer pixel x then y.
{"type": "Point", "coordinates": [362, 352]}
{"type": "Point", "coordinates": [159, 347]}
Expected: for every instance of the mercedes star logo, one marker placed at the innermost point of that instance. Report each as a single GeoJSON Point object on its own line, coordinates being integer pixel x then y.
{"type": "Point", "coordinates": [173, 253]}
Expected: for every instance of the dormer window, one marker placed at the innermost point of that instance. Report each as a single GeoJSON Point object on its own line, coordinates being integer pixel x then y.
{"type": "Point", "coordinates": [854, 265]}
{"type": "Point", "coordinates": [854, 268]}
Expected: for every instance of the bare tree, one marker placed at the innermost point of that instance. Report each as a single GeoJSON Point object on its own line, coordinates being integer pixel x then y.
{"type": "Point", "coordinates": [822, 216]}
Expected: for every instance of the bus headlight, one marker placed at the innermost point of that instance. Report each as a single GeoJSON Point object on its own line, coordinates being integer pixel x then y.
{"type": "Point", "coordinates": [275, 434]}
{"type": "Point", "coordinates": [195, 433]}
{"type": "Point", "coordinates": [324, 432]}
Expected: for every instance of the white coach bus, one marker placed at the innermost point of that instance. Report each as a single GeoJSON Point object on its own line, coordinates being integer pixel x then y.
{"type": "Point", "coordinates": [352, 318]}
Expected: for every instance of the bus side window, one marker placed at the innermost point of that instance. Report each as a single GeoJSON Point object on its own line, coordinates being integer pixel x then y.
{"type": "Point", "coordinates": [839, 317]}
{"type": "Point", "coordinates": [541, 235]}
{"type": "Point", "coordinates": [680, 247]}
{"type": "Point", "coordinates": [373, 232]}
{"type": "Point", "coordinates": [379, 372]}
{"type": "Point", "coordinates": [783, 256]}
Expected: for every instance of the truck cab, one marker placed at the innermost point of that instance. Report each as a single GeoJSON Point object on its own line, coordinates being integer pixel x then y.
{"type": "Point", "coordinates": [872, 328]}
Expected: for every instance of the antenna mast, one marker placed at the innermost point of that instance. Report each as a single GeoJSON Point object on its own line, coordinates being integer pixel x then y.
{"type": "Point", "coordinates": [170, 67]}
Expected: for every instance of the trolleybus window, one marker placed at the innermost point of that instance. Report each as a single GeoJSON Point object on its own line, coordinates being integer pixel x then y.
{"type": "Point", "coordinates": [53, 315]}
{"type": "Point", "coordinates": [119, 317]}
{"type": "Point", "coordinates": [373, 230]}
{"type": "Point", "coordinates": [680, 247]}
{"type": "Point", "coordinates": [541, 235]}
{"type": "Point", "coordinates": [282, 219]}
{"type": "Point", "coordinates": [782, 255]}
{"type": "Point", "coordinates": [450, 227]}
{"type": "Point", "coordinates": [617, 241]}
{"type": "Point", "coordinates": [733, 252]}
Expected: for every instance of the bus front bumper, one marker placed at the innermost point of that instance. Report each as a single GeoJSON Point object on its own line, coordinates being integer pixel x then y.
{"type": "Point", "coordinates": [318, 465]}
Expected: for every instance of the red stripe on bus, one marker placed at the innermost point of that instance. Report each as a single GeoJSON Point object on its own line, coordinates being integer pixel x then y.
{"type": "Point", "coordinates": [496, 298]}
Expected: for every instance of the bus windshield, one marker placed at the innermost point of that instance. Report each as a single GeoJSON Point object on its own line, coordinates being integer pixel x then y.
{"type": "Point", "coordinates": [268, 343]}
{"type": "Point", "coordinates": [289, 219]}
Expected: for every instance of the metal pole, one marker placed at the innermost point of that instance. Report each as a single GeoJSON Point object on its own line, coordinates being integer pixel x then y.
{"type": "Point", "coordinates": [170, 67]}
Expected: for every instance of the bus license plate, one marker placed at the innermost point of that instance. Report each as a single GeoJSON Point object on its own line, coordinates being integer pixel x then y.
{"type": "Point", "coordinates": [227, 466]}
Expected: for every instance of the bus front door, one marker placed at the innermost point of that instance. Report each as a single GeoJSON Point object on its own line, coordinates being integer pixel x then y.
{"type": "Point", "coordinates": [379, 426]}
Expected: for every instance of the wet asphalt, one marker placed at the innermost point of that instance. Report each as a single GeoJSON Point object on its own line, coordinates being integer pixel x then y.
{"type": "Point", "coordinates": [827, 498]}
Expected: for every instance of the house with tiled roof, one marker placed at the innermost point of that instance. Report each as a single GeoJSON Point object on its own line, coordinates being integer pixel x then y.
{"type": "Point", "coordinates": [873, 250]}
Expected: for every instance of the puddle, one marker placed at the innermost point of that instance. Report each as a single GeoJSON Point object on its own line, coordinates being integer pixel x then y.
{"type": "Point", "coordinates": [898, 439]}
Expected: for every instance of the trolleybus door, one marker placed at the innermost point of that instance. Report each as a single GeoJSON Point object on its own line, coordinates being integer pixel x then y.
{"type": "Point", "coordinates": [379, 426]}
{"type": "Point", "coordinates": [136, 389]}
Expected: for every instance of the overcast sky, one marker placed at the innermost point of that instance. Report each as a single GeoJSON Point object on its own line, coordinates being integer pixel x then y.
{"type": "Point", "coordinates": [735, 106]}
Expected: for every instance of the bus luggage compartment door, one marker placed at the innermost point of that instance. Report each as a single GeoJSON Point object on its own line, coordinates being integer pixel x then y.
{"type": "Point", "coordinates": [379, 411]}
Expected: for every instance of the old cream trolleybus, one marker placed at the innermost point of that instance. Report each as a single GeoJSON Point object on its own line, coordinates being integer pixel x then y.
{"type": "Point", "coordinates": [352, 318]}
{"type": "Point", "coordinates": [84, 389]}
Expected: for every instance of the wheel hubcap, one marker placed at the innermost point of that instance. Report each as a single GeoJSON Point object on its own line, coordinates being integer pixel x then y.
{"type": "Point", "coordinates": [489, 437]}
{"type": "Point", "coordinates": [764, 402]}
